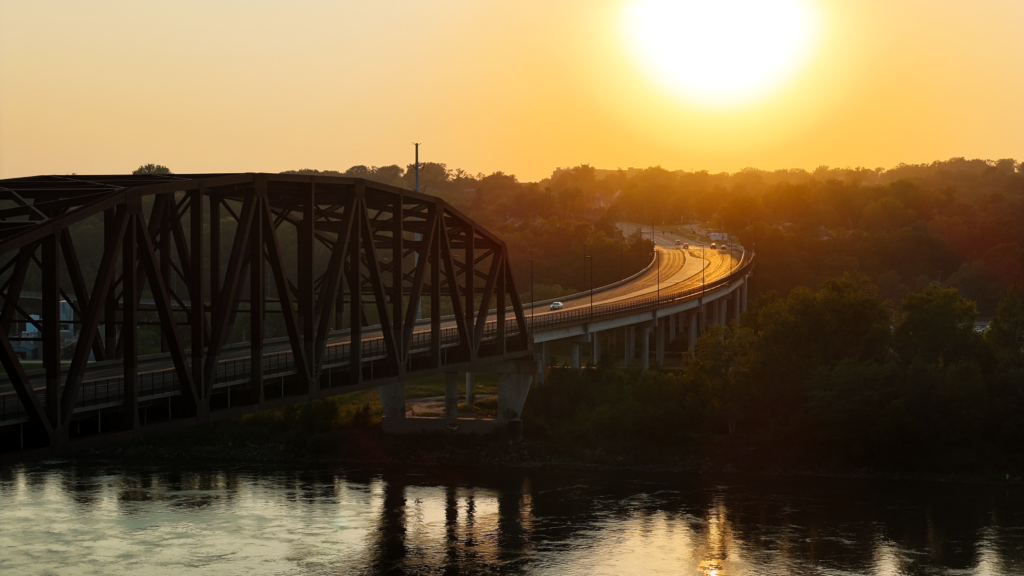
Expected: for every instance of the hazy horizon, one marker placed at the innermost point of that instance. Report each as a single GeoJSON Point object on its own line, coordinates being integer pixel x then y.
{"type": "Point", "coordinates": [524, 88]}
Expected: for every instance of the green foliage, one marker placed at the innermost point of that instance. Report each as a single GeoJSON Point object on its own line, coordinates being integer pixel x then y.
{"type": "Point", "coordinates": [819, 375]}
{"type": "Point", "coordinates": [146, 169]}
{"type": "Point", "coordinates": [937, 326]}
{"type": "Point", "coordinates": [1006, 331]}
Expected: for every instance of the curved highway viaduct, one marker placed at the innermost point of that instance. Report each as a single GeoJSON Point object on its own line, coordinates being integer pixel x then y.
{"type": "Point", "coordinates": [209, 261]}
{"type": "Point", "coordinates": [684, 290]}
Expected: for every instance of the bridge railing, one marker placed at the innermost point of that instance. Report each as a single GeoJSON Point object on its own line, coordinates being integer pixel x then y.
{"type": "Point", "coordinates": [668, 296]}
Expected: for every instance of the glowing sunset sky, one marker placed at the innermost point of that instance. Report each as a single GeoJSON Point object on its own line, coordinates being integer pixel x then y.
{"type": "Point", "coordinates": [524, 86]}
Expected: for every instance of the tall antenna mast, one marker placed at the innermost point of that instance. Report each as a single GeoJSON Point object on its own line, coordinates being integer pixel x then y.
{"type": "Point", "coordinates": [416, 256]}
{"type": "Point", "coordinates": [416, 166]}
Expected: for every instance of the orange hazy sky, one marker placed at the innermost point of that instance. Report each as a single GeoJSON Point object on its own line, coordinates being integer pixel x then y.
{"type": "Point", "coordinates": [521, 86]}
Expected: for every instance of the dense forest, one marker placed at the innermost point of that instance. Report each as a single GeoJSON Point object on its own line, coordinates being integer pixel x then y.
{"type": "Point", "coordinates": [860, 346]}
{"type": "Point", "coordinates": [958, 223]}
{"type": "Point", "coordinates": [826, 376]}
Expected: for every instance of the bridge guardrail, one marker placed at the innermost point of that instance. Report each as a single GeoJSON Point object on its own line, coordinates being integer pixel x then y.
{"type": "Point", "coordinates": [606, 311]}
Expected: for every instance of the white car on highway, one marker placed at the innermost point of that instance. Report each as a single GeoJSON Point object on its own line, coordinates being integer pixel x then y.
{"type": "Point", "coordinates": [556, 305]}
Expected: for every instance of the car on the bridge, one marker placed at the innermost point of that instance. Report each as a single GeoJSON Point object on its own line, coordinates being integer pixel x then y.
{"type": "Point", "coordinates": [556, 305]}
{"type": "Point", "coordinates": [686, 244]}
{"type": "Point", "coordinates": [713, 246]}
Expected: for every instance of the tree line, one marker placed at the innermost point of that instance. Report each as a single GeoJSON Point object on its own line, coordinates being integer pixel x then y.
{"type": "Point", "coordinates": [823, 376]}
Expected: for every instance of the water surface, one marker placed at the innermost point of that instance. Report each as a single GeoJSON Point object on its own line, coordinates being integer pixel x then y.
{"type": "Point", "coordinates": [64, 518]}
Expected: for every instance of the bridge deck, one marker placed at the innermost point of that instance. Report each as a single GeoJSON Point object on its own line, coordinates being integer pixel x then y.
{"type": "Point", "coordinates": [683, 273]}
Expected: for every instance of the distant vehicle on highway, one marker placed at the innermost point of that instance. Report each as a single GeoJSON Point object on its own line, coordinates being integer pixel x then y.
{"type": "Point", "coordinates": [713, 246]}
{"type": "Point", "coordinates": [686, 244]}
{"type": "Point", "coordinates": [556, 305]}
{"type": "Point", "coordinates": [678, 242]}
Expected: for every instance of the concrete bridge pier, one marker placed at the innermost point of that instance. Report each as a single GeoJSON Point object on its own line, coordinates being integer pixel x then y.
{"type": "Point", "coordinates": [576, 342]}
{"type": "Point", "coordinates": [451, 395]}
{"type": "Point", "coordinates": [737, 304]}
{"type": "Point", "coordinates": [512, 391]}
{"type": "Point", "coordinates": [541, 363]}
{"type": "Point", "coordinates": [693, 332]}
{"type": "Point", "coordinates": [671, 327]}
{"type": "Point", "coordinates": [392, 401]}
{"type": "Point", "coordinates": [746, 285]}
{"type": "Point", "coordinates": [514, 379]}
{"type": "Point", "coordinates": [596, 352]}
{"type": "Point", "coordinates": [629, 338]}
{"type": "Point", "coordinates": [659, 340]}
{"type": "Point", "coordinates": [645, 354]}
{"type": "Point", "coordinates": [470, 393]}
{"type": "Point", "coordinates": [703, 320]}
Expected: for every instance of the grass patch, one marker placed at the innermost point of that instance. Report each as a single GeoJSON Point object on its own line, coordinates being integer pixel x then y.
{"type": "Point", "coordinates": [30, 365]}
{"type": "Point", "coordinates": [487, 404]}
{"type": "Point", "coordinates": [430, 386]}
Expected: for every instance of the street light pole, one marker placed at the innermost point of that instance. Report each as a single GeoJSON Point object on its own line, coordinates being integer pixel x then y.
{"type": "Point", "coordinates": [703, 267]}
{"type": "Point", "coordinates": [622, 266]}
{"type": "Point", "coordinates": [591, 288]}
{"type": "Point", "coordinates": [532, 298]}
{"type": "Point", "coordinates": [657, 255]}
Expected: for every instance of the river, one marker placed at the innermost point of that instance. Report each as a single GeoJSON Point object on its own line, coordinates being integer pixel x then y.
{"type": "Point", "coordinates": [195, 518]}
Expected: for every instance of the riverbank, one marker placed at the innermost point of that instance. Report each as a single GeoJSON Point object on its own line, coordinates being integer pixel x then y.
{"type": "Point", "coordinates": [362, 444]}
{"type": "Point", "coordinates": [573, 422]}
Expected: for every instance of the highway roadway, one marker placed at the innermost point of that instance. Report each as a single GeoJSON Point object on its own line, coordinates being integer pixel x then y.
{"type": "Point", "coordinates": [675, 267]}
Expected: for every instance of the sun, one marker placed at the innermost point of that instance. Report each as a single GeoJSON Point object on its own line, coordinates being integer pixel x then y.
{"type": "Point", "coordinates": [721, 52]}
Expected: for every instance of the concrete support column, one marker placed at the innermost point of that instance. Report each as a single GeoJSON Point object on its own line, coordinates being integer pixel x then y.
{"type": "Point", "coordinates": [723, 316]}
{"type": "Point", "coordinates": [392, 400]}
{"type": "Point", "coordinates": [576, 356]}
{"type": "Point", "coordinates": [703, 313]}
{"type": "Point", "coordinates": [451, 395]}
{"type": "Point", "coordinates": [737, 296]}
{"type": "Point", "coordinates": [596, 354]}
{"type": "Point", "coordinates": [715, 315]}
{"type": "Point", "coordinates": [629, 338]}
{"type": "Point", "coordinates": [671, 327]}
{"type": "Point", "coordinates": [659, 341]}
{"type": "Point", "coordinates": [512, 391]}
{"type": "Point", "coordinates": [645, 349]}
{"type": "Point", "coordinates": [693, 332]}
{"type": "Point", "coordinates": [542, 363]}
{"type": "Point", "coordinates": [470, 393]}
{"type": "Point", "coordinates": [746, 286]}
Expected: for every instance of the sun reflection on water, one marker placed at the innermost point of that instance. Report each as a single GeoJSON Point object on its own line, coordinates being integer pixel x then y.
{"type": "Point", "coordinates": [159, 521]}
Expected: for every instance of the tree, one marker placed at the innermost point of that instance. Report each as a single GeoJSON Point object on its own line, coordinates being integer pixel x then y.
{"type": "Point", "coordinates": [937, 326]}
{"type": "Point", "coordinates": [433, 175]}
{"type": "Point", "coordinates": [147, 169]}
{"type": "Point", "coordinates": [845, 318]}
{"type": "Point", "coordinates": [1007, 329]}
{"type": "Point", "coordinates": [721, 372]}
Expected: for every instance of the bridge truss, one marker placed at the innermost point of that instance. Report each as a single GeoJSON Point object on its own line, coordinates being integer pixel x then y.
{"type": "Point", "coordinates": [177, 282]}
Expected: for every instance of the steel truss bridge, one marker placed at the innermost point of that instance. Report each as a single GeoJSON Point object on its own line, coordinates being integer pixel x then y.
{"type": "Point", "coordinates": [196, 259]}
{"type": "Point", "coordinates": [171, 285]}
